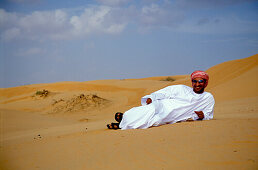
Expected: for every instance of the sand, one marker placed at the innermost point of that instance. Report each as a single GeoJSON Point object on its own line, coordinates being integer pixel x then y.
{"type": "Point", "coordinates": [66, 128]}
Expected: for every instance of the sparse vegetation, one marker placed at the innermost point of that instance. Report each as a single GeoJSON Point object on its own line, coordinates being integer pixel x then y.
{"type": "Point", "coordinates": [43, 93]}
{"type": "Point", "coordinates": [78, 103]}
{"type": "Point", "coordinates": [168, 79]}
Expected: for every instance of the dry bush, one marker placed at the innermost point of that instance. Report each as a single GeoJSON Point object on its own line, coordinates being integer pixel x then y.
{"type": "Point", "coordinates": [168, 79]}
{"type": "Point", "coordinates": [78, 103]}
{"type": "Point", "coordinates": [43, 93]}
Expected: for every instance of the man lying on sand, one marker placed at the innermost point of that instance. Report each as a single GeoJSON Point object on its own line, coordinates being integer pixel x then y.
{"type": "Point", "coordinates": [170, 105]}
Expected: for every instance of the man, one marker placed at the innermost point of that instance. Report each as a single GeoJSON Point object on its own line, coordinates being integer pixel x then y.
{"type": "Point", "coordinates": [170, 105]}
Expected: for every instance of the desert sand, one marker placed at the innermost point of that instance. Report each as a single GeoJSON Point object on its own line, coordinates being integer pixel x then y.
{"type": "Point", "coordinates": [64, 127]}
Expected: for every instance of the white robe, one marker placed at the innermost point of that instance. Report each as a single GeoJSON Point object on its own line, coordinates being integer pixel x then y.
{"type": "Point", "coordinates": [169, 105]}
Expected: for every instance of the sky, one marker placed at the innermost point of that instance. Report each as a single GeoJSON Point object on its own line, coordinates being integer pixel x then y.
{"type": "Point", "coordinates": [45, 41]}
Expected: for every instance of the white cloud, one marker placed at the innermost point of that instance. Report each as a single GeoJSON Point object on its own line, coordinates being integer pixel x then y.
{"type": "Point", "coordinates": [11, 34]}
{"type": "Point", "coordinates": [7, 19]}
{"type": "Point", "coordinates": [219, 25]}
{"type": "Point", "coordinates": [115, 28]}
{"type": "Point", "coordinates": [34, 51]}
{"type": "Point", "coordinates": [48, 24]}
{"type": "Point", "coordinates": [96, 20]}
{"type": "Point", "coordinates": [152, 14]}
{"type": "Point", "coordinates": [199, 4]}
{"type": "Point", "coordinates": [30, 52]}
{"type": "Point", "coordinates": [112, 2]}
{"type": "Point", "coordinates": [59, 24]}
{"type": "Point", "coordinates": [25, 1]}
{"type": "Point", "coordinates": [62, 24]}
{"type": "Point", "coordinates": [156, 16]}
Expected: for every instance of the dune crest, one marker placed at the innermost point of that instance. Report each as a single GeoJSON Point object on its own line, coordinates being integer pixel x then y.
{"type": "Point", "coordinates": [234, 79]}
{"type": "Point", "coordinates": [227, 71]}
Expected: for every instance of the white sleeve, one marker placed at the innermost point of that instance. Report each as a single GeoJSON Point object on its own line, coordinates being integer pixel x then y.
{"type": "Point", "coordinates": [209, 109]}
{"type": "Point", "coordinates": [165, 93]}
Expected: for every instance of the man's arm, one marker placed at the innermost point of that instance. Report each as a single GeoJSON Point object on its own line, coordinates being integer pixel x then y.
{"type": "Point", "coordinates": [207, 112]}
{"type": "Point", "coordinates": [165, 93]}
{"type": "Point", "coordinates": [200, 114]}
{"type": "Point", "coordinates": [148, 101]}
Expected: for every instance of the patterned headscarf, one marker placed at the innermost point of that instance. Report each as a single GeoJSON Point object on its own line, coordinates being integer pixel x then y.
{"type": "Point", "coordinates": [200, 74]}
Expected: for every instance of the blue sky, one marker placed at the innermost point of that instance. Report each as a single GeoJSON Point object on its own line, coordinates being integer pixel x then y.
{"type": "Point", "coordinates": [44, 41]}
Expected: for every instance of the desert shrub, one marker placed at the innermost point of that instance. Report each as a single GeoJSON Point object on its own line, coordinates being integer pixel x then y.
{"type": "Point", "coordinates": [78, 103]}
{"type": "Point", "coordinates": [42, 93]}
{"type": "Point", "coordinates": [168, 79]}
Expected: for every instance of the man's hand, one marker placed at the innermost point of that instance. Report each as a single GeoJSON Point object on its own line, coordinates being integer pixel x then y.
{"type": "Point", "coordinates": [149, 101]}
{"type": "Point", "coordinates": [199, 114]}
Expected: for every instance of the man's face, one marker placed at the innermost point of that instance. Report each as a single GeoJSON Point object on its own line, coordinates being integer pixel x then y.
{"type": "Point", "coordinates": [198, 85]}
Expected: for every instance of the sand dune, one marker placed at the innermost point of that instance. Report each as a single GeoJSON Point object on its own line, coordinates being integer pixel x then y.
{"type": "Point", "coordinates": [65, 129]}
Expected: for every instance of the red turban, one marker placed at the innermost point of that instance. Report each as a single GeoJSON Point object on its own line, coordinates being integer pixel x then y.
{"type": "Point", "coordinates": [200, 74]}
